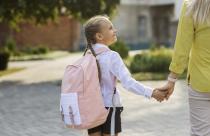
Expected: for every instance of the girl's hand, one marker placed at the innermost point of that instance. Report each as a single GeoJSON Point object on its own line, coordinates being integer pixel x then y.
{"type": "Point", "coordinates": [159, 95]}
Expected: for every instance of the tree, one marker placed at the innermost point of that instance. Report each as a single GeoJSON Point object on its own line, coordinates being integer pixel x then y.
{"type": "Point", "coordinates": [13, 12]}
{"type": "Point", "coordinates": [84, 9]}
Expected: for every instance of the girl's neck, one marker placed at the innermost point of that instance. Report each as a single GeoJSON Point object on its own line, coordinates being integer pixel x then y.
{"type": "Point", "coordinates": [101, 42]}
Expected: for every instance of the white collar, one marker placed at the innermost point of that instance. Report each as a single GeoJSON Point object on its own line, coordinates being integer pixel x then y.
{"type": "Point", "coordinates": [99, 45]}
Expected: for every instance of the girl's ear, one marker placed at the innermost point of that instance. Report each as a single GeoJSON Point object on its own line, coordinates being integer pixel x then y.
{"type": "Point", "coordinates": [99, 36]}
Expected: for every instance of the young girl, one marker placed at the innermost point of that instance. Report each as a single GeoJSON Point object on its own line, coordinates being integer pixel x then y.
{"type": "Point", "coordinates": [100, 33]}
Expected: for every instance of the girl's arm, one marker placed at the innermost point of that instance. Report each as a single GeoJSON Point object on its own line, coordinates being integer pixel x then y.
{"type": "Point", "coordinates": [119, 70]}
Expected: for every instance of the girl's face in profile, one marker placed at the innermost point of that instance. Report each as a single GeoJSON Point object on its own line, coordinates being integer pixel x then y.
{"type": "Point", "coordinates": [107, 34]}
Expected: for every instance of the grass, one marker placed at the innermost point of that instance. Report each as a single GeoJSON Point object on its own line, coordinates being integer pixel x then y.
{"type": "Point", "coordinates": [50, 55]}
{"type": "Point", "coordinates": [143, 76]}
{"type": "Point", "coordinates": [10, 71]}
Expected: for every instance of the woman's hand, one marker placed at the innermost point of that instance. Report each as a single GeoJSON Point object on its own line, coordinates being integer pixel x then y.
{"type": "Point", "coordinates": [168, 88]}
{"type": "Point", "coordinates": [159, 95]}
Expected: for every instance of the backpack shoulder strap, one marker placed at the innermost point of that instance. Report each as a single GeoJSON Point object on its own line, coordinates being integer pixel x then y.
{"type": "Point", "coordinates": [99, 50]}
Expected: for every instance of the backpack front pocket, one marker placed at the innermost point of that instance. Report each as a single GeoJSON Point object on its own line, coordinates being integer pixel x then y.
{"type": "Point", "coordinates": [70, 109]}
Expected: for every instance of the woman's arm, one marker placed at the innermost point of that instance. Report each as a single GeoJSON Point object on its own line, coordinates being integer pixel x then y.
{"type": "Point", "coordinates": [183, 43]}
{"type": "Point", "coordinates": [182, 48]}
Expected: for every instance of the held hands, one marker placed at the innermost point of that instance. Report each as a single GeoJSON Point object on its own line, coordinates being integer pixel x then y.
{"type": "Point", "coordinates": [165, 91]}
{"type": "Point", "coordinates": [159, 95]}
{"type": "Point", "coordinates": [169, 88]}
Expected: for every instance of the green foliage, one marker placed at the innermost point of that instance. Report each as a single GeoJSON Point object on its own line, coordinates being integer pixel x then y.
{"type": "Point", "coordinates": [152, 61]}
{"type": "Point", "coordinates": [10, 45]}
{"type": "Point", "coordinates": [43, 50]}
{"type": "Point", "coordinates": [40, 11]}
{"type": "Point", "coordinates": [10, 71]}
{"type": "Point", "coordinates": [121, 48]}
{"type": "Point", "coordinates": [13, 12]}
{"type": "Point", "coordinates": [84, 9]}
{"type": "Point", "coordinates": [35, 50]}
{"type": "Point", "coordinates": [153, 47]}
{"type": "Point", "coordinates": [142, 76]}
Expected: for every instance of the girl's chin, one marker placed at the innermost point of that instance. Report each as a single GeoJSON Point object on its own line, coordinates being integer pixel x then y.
{"type": "Point", "coordinates": [114, 41]}
{"type": "Point", "coordinates": [115, 38]}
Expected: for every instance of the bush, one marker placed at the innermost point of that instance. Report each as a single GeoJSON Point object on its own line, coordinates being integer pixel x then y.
{"type": "Point", "coordinates": [4, 59]}
{"type": "Point", "coordinates": [35, 50]}
{"type": "Point", "coordinates": [18, 53]}
{"type": "Point", "coordinates": [121, 48]}
{"type": "Point", "coordinates": [10, 45]}
{"type": "Point", "coordinates": [137, 64]}
{"type": "Point", "coordinates": [43, 50]}
{"type": "Point", "coordinates": [152, 61]}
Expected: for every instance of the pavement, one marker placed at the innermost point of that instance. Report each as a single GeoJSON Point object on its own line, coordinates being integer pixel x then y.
{"type": "Point", "coordinates": [29, 104]}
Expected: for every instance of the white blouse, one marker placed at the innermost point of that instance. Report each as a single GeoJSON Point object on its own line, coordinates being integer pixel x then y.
{"type": "Point", "coordinates": [112, 68]}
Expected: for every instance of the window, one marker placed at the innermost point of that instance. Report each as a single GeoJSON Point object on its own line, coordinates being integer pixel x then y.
{"type": "Point", "coordinates": [142, 26]}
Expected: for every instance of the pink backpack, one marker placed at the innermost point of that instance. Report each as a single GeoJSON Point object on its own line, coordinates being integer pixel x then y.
{"type": "Point", "coordinates": [81, 101]}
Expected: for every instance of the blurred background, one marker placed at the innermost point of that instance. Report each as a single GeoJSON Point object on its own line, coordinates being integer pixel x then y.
{"type": "Point", "coordinates": [39, 38]}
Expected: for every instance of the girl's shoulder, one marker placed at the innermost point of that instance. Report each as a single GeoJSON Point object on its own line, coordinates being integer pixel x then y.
{"type": "Point", "coordinates": [116, 54]}
{"type": "Point", "coordinates": [112, 54]}
{"type": "Point", "coordinates": [109, 53]}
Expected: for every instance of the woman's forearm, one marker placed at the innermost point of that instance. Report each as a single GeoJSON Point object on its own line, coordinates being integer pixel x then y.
{"type": "Point", "coordinates": [173, 75]}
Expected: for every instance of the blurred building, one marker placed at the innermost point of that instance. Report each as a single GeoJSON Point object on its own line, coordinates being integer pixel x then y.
{"type": "Point", "coordinates": [141, 23]}
{"type": "Point", "coordinates": [61, 35]}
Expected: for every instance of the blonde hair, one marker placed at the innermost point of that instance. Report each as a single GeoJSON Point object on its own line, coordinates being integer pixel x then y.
{"type": "Point", "coordinates": [199, 10]}
{"type": "Point", "coordinates": [93, 26]}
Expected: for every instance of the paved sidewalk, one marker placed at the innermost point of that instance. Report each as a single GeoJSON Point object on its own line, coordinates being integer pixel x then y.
{"type": "Point", "coordinates": [29, 105]}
